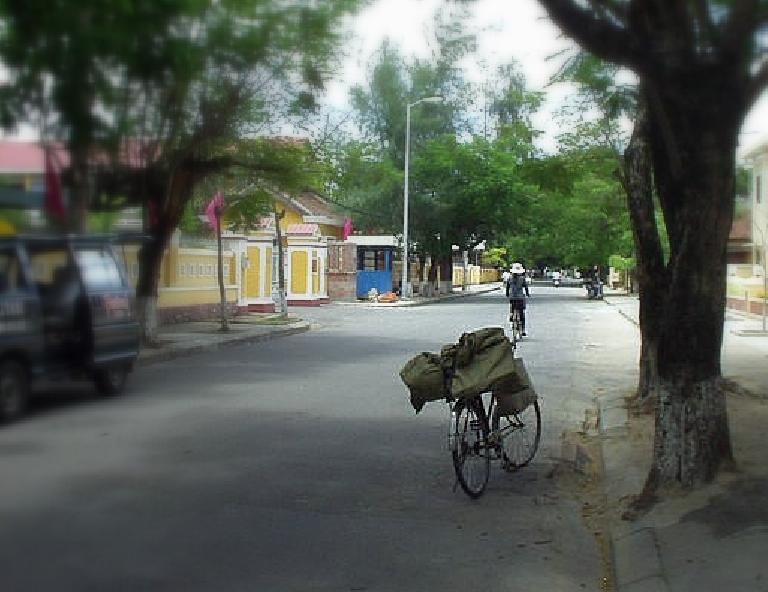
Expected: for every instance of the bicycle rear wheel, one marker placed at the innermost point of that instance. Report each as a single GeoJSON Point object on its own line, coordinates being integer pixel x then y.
{"type": "Point", "coordinates": [471, 455]}
{"type": "Point", "coordinates": [520, 435]}
{"type": "Point", "coordinates": [517, 326]}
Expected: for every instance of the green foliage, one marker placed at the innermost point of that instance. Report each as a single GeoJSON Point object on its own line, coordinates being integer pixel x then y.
{"type": "Point", "coordinates": [579, 217]}
{"type": "Point", "coordinates": [188, 76]}
{"type": "Point", "coordinates": [466, 180]}
{"type": "Point", "coordinates": [265, 166]}
{"type": "Point", "coordinates": [16, 219]}
{"type": "Point", "coordinates": [495, 257]}
{"type": "Point", "coordinates": [622, 263]}
{"type": "Point", "coordinates": [467, 192]}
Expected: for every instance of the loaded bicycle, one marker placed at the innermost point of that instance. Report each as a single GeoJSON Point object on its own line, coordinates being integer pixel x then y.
{"type": "Point", "coordinates": [480, 432]}
{"type": "Point", "coordinates": [495, 413]}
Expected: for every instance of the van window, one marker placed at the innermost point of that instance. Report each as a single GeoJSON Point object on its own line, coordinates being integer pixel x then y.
{"type": "Point", "coordinates": [98, 268]}
{"type": "Point", "coordinates": [10, 272]}
{"type": "Point", "coordinates": [47, 263]}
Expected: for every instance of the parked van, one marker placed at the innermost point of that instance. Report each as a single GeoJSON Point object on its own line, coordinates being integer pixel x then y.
{"type": "Point", "coordinates": [66, 311]}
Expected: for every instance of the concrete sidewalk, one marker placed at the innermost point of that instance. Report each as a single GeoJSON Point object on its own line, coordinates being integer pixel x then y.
{"type": "Point", "coordinates": [715, 538]}
{"type": "Point", "coordinates": [184, 339]}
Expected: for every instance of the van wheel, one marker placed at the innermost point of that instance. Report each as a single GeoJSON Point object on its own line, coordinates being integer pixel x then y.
{"type": "Point", "coordinates": [14, 390]}
{"type": "Point", "coordinates": [111, 380]}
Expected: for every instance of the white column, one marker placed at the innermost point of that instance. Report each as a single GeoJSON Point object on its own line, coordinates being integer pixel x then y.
{"type": "Point", "coordinates": [264, 290]}
{"type": "Point", "coordinates": [310, 258]}
{"type": "Point", "coordinates": [322, 271]}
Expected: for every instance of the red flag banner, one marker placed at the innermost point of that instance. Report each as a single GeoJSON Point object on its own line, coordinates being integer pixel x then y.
{"type": "Point", "coordinates": [54, 201]}
{"type": "Point", "coordinates": [213, 210]}
{"type": "Point", "coordinates": [347, 230]}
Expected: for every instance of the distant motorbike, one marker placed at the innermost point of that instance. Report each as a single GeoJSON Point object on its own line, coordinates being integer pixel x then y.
{"type": "Point", "coordinates": [556, 282]}
{"type": "Point", "coordinates": [594, 289]}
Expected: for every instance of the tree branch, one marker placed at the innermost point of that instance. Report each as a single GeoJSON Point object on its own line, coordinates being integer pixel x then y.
{"type": "Point", "coordinates": [601, 37]}
{"type": "Point", "coordinates": [745, 17]}
{"type": "Point", "coordinates": [702, 15]}
{"type": "Point", "coordinates": [610, 9]}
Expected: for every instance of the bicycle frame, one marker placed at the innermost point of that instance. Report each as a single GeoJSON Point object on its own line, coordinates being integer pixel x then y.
{"type": "Point", "coordinates": [495, 437]}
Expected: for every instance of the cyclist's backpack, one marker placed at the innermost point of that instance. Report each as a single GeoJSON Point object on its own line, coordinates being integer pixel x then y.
{"type": "Point", "coordinates": [423, 375]}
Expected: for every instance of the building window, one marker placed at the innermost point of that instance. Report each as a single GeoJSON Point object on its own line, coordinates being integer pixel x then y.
{"type": "Point", "coordinates": [373, 260]}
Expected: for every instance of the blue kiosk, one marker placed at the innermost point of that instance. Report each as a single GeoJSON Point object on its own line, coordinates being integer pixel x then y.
{"type": "Point", "coordinates": [375, 258]}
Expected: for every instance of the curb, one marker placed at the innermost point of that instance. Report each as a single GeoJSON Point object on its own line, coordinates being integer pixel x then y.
{"type": "Point", "coordinates": [635, 556]}
{"type": "Point", "coordinates": [637, 562]}
{"type": "Point", "coordinates": [621, 312]}
{"type": "Point", "coordinates": [172, 353]}
{"type": "Point", "coordinates": [411, 303]}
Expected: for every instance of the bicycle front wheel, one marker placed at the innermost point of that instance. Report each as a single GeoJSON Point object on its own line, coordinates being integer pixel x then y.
{"type": "Point", "coordinates": [520, 435]}
{"type": "Point", "coordinates": [517, 327]}
{"type": "Point", "coordinates": [471, 455]}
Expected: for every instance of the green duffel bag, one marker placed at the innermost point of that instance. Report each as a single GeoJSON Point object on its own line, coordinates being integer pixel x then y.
{"type": "Point", "coordinates": [515, 393]}
{"type": "Point", "coordinates": [490, 366]}
{"type": "Point", "coordinates": [476, 342]}
{"type": "Point", "coordinates": [423, 375]}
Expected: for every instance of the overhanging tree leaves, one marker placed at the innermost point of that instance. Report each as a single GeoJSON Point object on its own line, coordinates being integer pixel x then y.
{"type": "Point", "coordinates": [701, 67]}
{"type": "Point", "coordinates": [164, 89]}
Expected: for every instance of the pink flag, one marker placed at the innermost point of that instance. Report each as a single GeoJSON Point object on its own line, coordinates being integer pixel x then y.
{"type": "Point", "coordinates": [214, 209]}
{"type": "Point", "coordinates": [54, 202]}
{"type": "Point", "coordinates": [347, 230]}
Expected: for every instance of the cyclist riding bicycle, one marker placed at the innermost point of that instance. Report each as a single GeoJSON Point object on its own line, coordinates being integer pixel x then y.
{"type": "Point", "coordinates": [517, 290]}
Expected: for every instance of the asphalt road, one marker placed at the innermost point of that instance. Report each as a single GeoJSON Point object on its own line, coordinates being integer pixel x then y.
{"type": "Point", "coordinates": [298, 464]}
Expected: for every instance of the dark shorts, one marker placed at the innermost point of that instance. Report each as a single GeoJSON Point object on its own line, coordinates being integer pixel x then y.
{"type": "Point", "coordinates": [517, 304]}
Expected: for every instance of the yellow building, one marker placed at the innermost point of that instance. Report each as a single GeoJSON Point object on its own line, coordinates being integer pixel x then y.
{"type": "Point", "coordinates": [307, 225]}
{"type": "Point", "coordinates": [188, 284]}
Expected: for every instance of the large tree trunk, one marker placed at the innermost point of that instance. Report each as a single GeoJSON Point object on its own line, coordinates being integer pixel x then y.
{"type": "Point", "coordinates": [651, 274]}
{"type": "Point", "coordinates": [150, 260]}
{"type": "Point", "coordinates": [79, 189]}
{"type": "Point", "coordinates": [699, 78]}
{"type": "Point", "coordinates": [220, 261]}
{"type": "Point", "coordinates": [164, 216]}
{"type": "Point", "coordinates": [423, 286]}
{"type": "Point", "coordinates": [446, 274]}
{"type": "Point", "coordinates": [693, 157]}
{"type": "Point", "coordinates": [281, 292]}
{"type": "Point", "coordinates": [432, 277]}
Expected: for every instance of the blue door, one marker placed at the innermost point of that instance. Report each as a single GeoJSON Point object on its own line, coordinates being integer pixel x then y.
{"type": "Point", "coordinates": [374, 270]}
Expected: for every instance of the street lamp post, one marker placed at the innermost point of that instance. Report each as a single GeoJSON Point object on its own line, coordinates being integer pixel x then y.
{"type": "Point", "coordinates": [405, 288]}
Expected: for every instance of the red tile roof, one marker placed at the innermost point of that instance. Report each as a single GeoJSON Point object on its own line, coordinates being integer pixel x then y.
{"type": "Point", "coordinates": [18, 156]}
{"type": "Point", "coordinates": [304, 229]}
{"type": "Point", "coordinates": [26, 157]}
